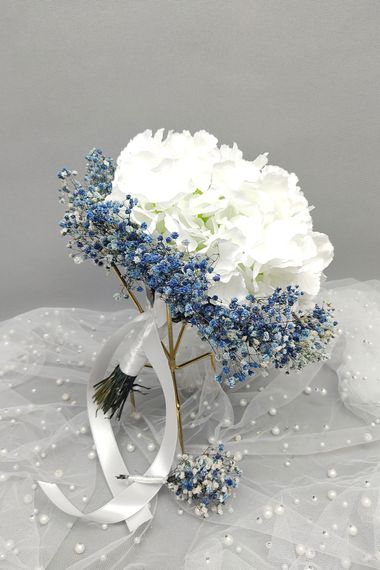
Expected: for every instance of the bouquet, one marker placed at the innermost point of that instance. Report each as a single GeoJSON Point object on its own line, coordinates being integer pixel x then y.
{"type": "Point", "coordinates": [227, 244]}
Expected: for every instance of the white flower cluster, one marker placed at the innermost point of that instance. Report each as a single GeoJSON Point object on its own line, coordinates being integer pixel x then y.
{"type": "Point", "coordinates": [252, 216]}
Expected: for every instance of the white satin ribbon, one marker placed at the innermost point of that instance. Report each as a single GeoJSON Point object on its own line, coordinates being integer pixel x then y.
{"type": "Point", "coordinates": [130, 503]}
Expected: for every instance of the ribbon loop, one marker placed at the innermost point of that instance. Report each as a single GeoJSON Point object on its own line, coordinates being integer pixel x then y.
{"type": "Point", "coordinates": [129, 503]}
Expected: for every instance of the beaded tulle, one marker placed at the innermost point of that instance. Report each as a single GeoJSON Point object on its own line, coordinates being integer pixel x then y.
{"type": "Point", "coordinates": [309, 445]}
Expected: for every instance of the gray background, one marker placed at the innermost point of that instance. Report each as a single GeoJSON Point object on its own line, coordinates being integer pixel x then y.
{"type": "Point", "coordinates": [300, 79]}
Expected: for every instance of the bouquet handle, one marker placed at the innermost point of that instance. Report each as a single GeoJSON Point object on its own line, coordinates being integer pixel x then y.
{"type": "Point", "coordinates": [171, 353]}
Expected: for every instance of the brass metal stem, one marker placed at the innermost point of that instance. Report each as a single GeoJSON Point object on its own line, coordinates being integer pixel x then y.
{"type": "Point", "coordinates": [179, 338]}
{"type": "Point", "coordinates": [131, 294]}
{"type": "Point", "coordinates": [193, 360]}
{"type": "Point", "coordinates": [173, 366]}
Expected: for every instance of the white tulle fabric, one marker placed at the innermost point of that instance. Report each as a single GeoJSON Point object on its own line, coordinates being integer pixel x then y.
{"type": "Point", "coordinates": [309, 495]}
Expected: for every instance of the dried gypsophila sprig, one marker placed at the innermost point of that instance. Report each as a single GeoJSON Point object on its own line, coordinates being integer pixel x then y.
{"type": "Point", "coordinates": [246, 336]}
{"type": "Point", "coordinates": [207, 481]}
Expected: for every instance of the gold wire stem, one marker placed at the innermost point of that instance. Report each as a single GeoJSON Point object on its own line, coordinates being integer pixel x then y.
{"type": "Point", "coordinates": [193, 360]}
{"type": "Point", "coordinates": [179, 338]}
{"type": "Point", "coordinates": [131, 294]}
{"type": "Point", "coordinates": [173, 366]}
{"type": "Point", "coordinates": [134, 299]}
{"type": "Point", "coordinates": [133, 401]}
{"type": "Point", "coordinates": [212, 360]}
{"type": "Point", "coordinates": [178, 411]}
{"type": "Point", "coordinates": [170, 331]}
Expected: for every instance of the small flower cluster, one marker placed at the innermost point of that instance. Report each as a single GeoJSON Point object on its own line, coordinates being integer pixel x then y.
{"type": "Point", "coordinates": [205, 481]}
{"type": "Point", "coordinates": [246, 336]}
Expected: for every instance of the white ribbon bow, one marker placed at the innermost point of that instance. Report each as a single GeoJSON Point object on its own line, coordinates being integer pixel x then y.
{"type": "Point", "coordinates": [129, 503]}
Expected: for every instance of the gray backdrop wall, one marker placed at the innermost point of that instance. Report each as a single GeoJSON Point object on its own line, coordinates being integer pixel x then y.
{"type": "Point", "coordinates": [297, 78]}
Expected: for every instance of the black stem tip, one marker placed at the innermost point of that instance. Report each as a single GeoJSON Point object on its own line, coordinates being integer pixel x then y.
{"type": "Point", "coordinates": [112, 392]}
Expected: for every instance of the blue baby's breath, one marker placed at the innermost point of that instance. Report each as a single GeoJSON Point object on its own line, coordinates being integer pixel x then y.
{"type": "Point", "coordinates": [247, 336]}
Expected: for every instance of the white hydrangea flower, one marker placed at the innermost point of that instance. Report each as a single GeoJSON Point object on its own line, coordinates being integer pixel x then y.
{"type": "Point", "coordinates": [252, 216]}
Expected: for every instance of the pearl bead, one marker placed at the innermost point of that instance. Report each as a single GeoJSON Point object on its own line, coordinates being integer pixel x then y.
{"type": "Point", "coordinates": [180, 512]}
{"type": "Point", "coordinates": [243, 402]}
{"type": "Point", "coordinates": [91, 455]}
{"type": "Point", "coordinates": [279, 509]}
{"type": "Point", "coordinates": [228, 540]}
{"type": "Point", "coordinates": [307, 390]}
{"type": "Point", "coordinates": [268, 512]}
{"type": "Point", "coordinates": [104, 526]}
{"type": "Point", "coordinates": [137, 540]}
{"type": "Point", "coordinates": [103, 558]}
{"type": "Point", "coordinates": [331, 473]}
{"type": "Point", "coordinates": [300, 549]}
{"type": "Point", "coordinates": [368, 437]}
{"type": "Point", "coordinates": [310, 553]}
{"type": "Point", "coordinates": [79, 548]}
{"type": "Point", "coordinates": [352, 530]}
{"type": "Point", "coordinates": [59, 381]}
{"type": "Point", "coordinates": [345, 563]}
{"type": "Point", "coordinates": [331, 495]}
{"type": "Point", "coordinates": [238, 456]}
{"type": "Point", "coordinates": [43, 519]}
{"type": "Point", "coordinates": [365, 502]}
{"type": "Point", "coordinates": [272, 411]}
{"type": "Point", "coordinates": [130, 447]}
{"type": "Point", "coordinates": [151, 446]}
{"type": "Point", "coordinates": [65, 396]}
{"type": "Point", "coordinates": [9, 544]}
{"type": "Point", "coordinates": [275, 430]}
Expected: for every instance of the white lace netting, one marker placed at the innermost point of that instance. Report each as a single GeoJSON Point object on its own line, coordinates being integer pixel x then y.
{"type": "Point", "coordinates": [328, 416]}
